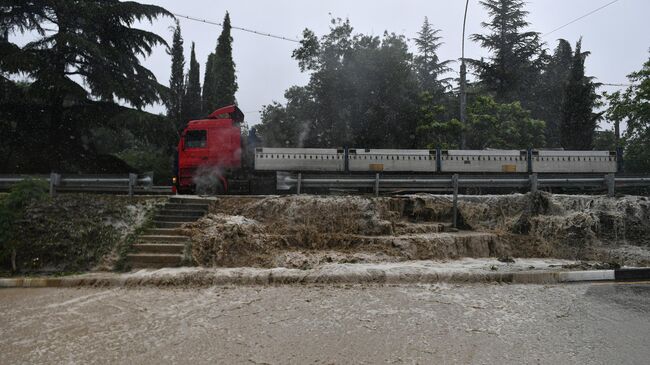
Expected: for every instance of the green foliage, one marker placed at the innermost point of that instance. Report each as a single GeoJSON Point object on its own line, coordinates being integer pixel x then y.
{"type": "Point", "coordinates": [633, 107]}
{"type": "Point", "coordinates": [433, 130]}
{"type": "Point", "coordinates": [12, 212]}
{"type": "Point", "coordinates": [149, 158]}
{"type": "Point", "coordinates": [551, 91]}
{"type": "Point", "coordinates": [502, 126]}
{"type": "Point", "coordinates": [176, 80]}
{"type": "Point", "coordinates": [25, 192]}
{"type": "Point", "coordinates": [67, 233]}
{"type": "Point", "coordinates": [512, 71]}
{"type": "Point", "coordinates": [209, 85]}
{"type": "Point", "coordinates": [579, 122]}
{"type": "Point", "coordinates": [226, 81]}
{"type": "Point", "coordinates": [92, 39]}
{"type": "Point", "coordinates": [142, 140]}
{"type": "Point", "coordinates": [220, 82]}
{"type": "Point", "coordinates": [287, 126]}
{"type": "Point", "coordinates": [363, 90]}
{"type": "Point", "coordinates": [191, 108]}
{"type": "Point", "coordinates": [84, 55]}
{"type": "Point", "coordinates": [605, 141]}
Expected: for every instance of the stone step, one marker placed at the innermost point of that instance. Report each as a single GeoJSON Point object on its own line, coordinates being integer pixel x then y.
{"type": "Point", "coordinates": [164, 238]}
{"type": "Point", "coordinates": [163, 231]}
{"type": "Point", "coordinates": [166, 224]}
{"type": "Point", "coordinates": [188, 200]}
{"type": "Point", "coordinates": [155, 258]}
{"type": "Point", "coordinates": [435, 246]}
{"type": "Point", "coordinates": [182, 213]}
{"type": "Point", "coordinates": [187, 206]}
{"type": "Point", "coordinates": [425, 227]}
{"type": "Point", "coordinates": [157, 248]}
{"type": "Point", "coordinates": [174, 218]}
{"type": "Point", "coordinates": [150, 265]}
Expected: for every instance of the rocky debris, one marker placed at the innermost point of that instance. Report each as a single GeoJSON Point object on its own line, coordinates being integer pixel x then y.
{"type": "Point", "coordinates": [303, 231]}
{"type": "Point", "coordinates": [583, 265]}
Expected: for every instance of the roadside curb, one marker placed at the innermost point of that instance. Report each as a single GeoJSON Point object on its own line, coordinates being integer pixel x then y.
{"type": "Point", "coordinates": [196, 277]}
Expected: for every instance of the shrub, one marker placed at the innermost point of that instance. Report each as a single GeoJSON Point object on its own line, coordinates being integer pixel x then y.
{"type": "Point", "coordinates": [12, 210]}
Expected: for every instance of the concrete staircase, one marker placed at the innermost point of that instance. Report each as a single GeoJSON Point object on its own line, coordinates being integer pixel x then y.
{"type": "Point", "coordinates": [163, 245]}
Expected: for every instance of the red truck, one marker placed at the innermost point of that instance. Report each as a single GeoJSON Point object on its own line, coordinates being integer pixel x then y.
{"type": "Point", "coordinates": [209, 150]}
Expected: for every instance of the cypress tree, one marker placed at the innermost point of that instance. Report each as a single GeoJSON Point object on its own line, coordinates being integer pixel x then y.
{"type": "Point", "coordinates": [513, 69]}
{"type": "Point", "coordinates": [578, 120]}
{"type": "Point", "coordinates": [209, 85]}
{"type": "Point", "coordinates": [220, 80]}
{"type": "Point", "coordinates": [176, 80]}
{"type": "Point", "coordinates": [225, 66]}
{"type": "Point", "coordinates": [551, 91]}
{"type": "Point", "coordinates": [192, 98]}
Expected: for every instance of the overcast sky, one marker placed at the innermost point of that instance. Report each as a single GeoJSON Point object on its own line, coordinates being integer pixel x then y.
{"type": "Point", "coordinates": [617, 36]}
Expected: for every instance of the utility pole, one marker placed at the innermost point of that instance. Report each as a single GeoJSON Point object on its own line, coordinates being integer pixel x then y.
{"type": "Point", "coordinates": [463, 85]}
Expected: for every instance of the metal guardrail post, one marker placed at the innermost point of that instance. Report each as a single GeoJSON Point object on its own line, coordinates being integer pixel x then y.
{"type": "Point", "coordinates": [610, 181]}
{"type": "Point", "coordinates": [377, 184]}
{"type": "Point", "coordinates": [55, 180]}
{"type": "Point", "coordinates": [533, 183]}
{"type": "Point", "coordinates": [454, 184]}
{"type": "Point", "coordinates": [299, 183]}
{"type": "Point", "coordinates": [133, 180]}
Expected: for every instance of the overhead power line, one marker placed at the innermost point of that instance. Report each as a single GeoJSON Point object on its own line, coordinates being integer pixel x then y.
{"type": "Point", "coordinates": [580, 18]}
{"type": "Point", "coordinates": [238, 28]}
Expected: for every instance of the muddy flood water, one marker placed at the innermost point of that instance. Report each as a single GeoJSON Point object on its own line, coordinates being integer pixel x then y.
{"type": "Point", "coordinates": [444, 324]}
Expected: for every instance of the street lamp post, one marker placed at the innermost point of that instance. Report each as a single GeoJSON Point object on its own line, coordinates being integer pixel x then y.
{"type": "Point", "coordinates": [463, 85]}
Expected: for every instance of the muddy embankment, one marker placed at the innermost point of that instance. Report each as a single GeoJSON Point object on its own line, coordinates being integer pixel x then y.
{"type": "Point", "coordinates": [78, 232]}
{"type": "Point", "coordinates": [307, 231]}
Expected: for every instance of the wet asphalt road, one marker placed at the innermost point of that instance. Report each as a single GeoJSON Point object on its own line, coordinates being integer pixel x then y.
{"type": "Point", "coordinates": [442, 324]}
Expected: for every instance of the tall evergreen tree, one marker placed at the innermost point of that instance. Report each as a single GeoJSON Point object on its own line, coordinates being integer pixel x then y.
{"type": "Point", "coordinates": [192, 97]}
{"type": "Point", "coordinates": [93, 40]}
{"type": "Point", "coordinates": [220, 83]}
{"type": "Point", "coordinates": [579, 122]}
{"type": "Point", "coordinates": [513, 68]}
{"type": "Point", "coordinates": [226, 81]}
{"type": "Point", "coordinates": [428, 64]}
{"type": "Point", "coordinates": [176, 80]}
{"type": "Point", "coordinates": [209, 85]}
{"type": "Point", "coordinates": [551, 91]}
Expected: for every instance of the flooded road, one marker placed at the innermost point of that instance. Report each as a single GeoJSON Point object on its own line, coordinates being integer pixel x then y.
{"type": "Point", "coordinates": [444, 324]}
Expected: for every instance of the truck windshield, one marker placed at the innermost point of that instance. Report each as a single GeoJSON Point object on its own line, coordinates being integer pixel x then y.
{"type": "Point", "coordinates": [195, 139]}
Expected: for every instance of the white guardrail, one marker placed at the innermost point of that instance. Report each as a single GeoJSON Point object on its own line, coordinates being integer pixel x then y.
{"type": "Point", "coordinates": [130, 183]}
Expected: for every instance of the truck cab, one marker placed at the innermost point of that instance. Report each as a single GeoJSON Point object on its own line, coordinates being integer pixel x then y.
{"type": "Point", "coordinates": [209, 150]}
